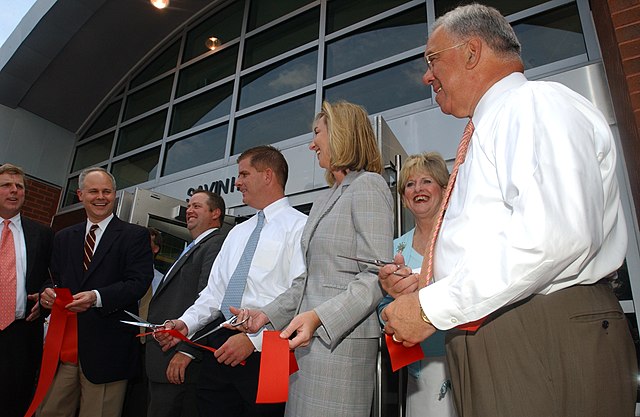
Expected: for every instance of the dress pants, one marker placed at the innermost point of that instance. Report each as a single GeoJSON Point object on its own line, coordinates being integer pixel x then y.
{"type": "Point", "coordinates": [71, 391]}
{"type": "Point", "coordinates": [226, 391]}
{"type": "Point", "coordinates": [20, 359]}
{"type": "Point", "coordinates": [566, 354]}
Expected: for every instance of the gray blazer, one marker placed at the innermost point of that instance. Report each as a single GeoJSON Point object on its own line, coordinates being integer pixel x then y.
{"type": "Point", "coordinates": [177, 292]}
{"type": "Point", "coordinates": [354, 218]}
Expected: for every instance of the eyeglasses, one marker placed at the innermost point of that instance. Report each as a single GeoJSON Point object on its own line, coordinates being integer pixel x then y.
{"type": "Point", "coordinates": [427, 58]}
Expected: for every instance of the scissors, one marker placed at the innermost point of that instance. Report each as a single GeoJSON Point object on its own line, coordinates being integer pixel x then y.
{"type": "Point", "coordinates": [141, 322]}
{"type": "Point", "coordinates": [375, 262]}
{"type": "Point", "coordinates": [232, 321]}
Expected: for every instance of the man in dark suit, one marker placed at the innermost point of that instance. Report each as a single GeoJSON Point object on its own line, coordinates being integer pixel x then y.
{"type": "Point", "coordinates": [172, 374]}
{"type": "Point", "coordinates": [108, 266]}
{"type": "Point", "coordinates": [21, 340]}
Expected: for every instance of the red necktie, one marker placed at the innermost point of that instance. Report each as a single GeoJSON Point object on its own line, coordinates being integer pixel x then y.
{"type": "Point", "coordinates": [89, 245]}
{"type": "Point", "coordinates": [8, 277]}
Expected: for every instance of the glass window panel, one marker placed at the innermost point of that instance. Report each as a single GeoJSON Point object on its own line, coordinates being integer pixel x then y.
{"type": "Point", "coordinates": [264, 11]}
{"type": "Point", "coordinates": [166, 61]}
{"type": "Point", "coordinates": [551, 36]}
{"type": "Point", "coordinates": [224, 25]}
{"type": "Point", "coordinates": [391, 87]}
{"type": "Point", "coordinates": [108, 118]}
{"type": "Point", "coordinates": [91, 153]}
{"type": "Point", "coordinates": [279, 79]}
{"type": "Point", "coordinates": [148, 98]}
{"type": "Point", "coordinates": [136, 169]}
{"type": "Point", "coordinates": [70, 196]}
{"type": "Point", "coordinates": [281, 122]}
{"type": "Point", "coordinates": [282, 38]}
{"type": "Point", "coordinates": [506, 7]}
{"type": "Point", "coordinates": [343, 13]}
{"type": "Point", "coordinates": [202, 108]}
{"type": "Point", "coordinates": [208, 71]}
{"type": "Point", "coordinates": [378, 41]}
{"type": "Point", "coordinates": [194, 150]}
{"type": "Point", "coordinates": [141, 133]}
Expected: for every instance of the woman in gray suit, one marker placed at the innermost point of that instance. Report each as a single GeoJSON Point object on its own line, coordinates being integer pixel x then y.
{"type": "Point", "coordinates": [331, 309]}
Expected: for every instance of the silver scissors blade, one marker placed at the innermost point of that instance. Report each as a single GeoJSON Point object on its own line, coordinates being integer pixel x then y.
{"type": "Point", "coordinates": [376, 262]}
{"type": "Point", "coordinates": [142, 324]}
{"type": "Point", "coordinates": [137, 318]}
{"type": "Point", "coordinates": [231, 321]}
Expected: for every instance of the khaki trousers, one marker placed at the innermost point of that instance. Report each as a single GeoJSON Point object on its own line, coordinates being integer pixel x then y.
{"type": "Point", "coordinates": [71, 389]}
{"type": "Point", "coordinates": [566, 354]}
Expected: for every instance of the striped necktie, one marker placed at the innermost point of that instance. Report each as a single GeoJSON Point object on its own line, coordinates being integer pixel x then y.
{"type": "Point", "coordinates": [89, 246]}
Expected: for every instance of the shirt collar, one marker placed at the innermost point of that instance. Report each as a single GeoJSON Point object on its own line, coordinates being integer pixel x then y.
{"type": "Point", "coordinates": [102, 225]}
{"type": "Point", "coordinates": [489, 98]}
{"type": "Point", "coordinates": [274, 208]}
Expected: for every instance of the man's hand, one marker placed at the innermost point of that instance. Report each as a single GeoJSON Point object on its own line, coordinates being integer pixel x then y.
{"type": "Point", "coordinates": [236, 349]}
{"type": "Point", "coordinates": [47, 298]}
{"type": "Point", "coordinates": [256, 320]}
{"type": "Point", "coordinates": [404, 321]}
{"type": "Point", "coordinates": [304, 326]}
{"type": "Point", "coordinates": [35, 310]}
{"type": "Point", "coordinates": [397, 279]}
{"type": "Point", "coordinates": [177, 368]}
{"type": "Point", "coordinates": [82, 301]}
{"type": "Point", "coordinates": [167, 341]}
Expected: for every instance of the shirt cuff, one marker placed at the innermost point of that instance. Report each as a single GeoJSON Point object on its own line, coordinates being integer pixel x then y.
{"type": "Point", "coordinates": [256, 339]}
{"type": "Point", "coordinates": [187, 354]}
{"type": "Point", "coordinates": [98, 302]}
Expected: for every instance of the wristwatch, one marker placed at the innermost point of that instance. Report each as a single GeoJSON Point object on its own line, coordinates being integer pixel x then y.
{"type": "Point", "coordinates": [424, 317]}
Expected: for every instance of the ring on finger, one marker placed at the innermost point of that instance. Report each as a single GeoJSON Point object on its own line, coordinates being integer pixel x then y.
{"type": "Point", "coordinates": [395, 339]}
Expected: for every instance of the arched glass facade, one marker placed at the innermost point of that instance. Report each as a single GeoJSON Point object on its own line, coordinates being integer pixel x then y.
{"type": "Point", "coordinates": [188, 109]}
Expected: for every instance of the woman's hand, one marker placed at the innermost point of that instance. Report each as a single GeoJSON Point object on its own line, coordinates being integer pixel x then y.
{"type": "Point", "coordinates": [303, 326]}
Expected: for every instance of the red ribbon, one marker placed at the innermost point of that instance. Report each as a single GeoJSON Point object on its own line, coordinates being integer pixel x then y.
{"type": "Point", "coordinates": [178, 335]}
{"type": "Point", "coordinates": [400, 355]}
{"type": "Point", "coordinates": [276, 364]}
{"type": "Point", "coordinates": [61, 344]}
{"type": "Point", "coordinates": [472, 326]}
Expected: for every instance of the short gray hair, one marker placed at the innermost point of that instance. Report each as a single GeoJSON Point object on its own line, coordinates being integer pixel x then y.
{"type": "Point", "coordinates": [485, 22]}
{"type": "Point", "coordinates": [88, 171]}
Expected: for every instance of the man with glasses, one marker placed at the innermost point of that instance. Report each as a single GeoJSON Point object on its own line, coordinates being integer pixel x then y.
{"type": "Point", "coordinates": [532, 236]}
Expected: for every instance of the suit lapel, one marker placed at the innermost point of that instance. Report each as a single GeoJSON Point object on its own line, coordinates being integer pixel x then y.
{"type": "Point", "coordinates": [30, 238]}
{"type": "Point", "coordinates": [176, 267]}
{"type": "Point", "coordinates": [110, 235]}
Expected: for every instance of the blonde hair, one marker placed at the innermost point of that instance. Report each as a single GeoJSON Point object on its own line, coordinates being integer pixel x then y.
{"type": "Point", "coordinates": [430, 162]}
{"type": "Point", "coordinates": [352, 142]}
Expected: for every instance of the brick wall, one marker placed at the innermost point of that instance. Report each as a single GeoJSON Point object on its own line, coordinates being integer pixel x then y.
{"type": "Point", "coordinates": [625, 16]}
{"type": "Point", "coordinates": [41, 202]}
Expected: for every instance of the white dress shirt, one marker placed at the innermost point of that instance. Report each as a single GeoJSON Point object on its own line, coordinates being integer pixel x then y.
{"type": "Point", "coordinates": [277, 261]}
{"type": "Point", "coordinates": [21, 263]}
{"type": "Point", "coordinates": [536, 205]}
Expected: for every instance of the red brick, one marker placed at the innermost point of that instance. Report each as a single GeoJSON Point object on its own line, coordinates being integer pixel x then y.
{"type": "Point", "coordinates": [626, 16]}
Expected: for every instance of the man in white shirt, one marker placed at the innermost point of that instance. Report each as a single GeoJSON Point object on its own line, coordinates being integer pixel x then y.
{"type": "Point", "coordinates": [21, 340]}
{"type": "Point", "coordinates": [225, 389]}
{"type": "Point", "coordinates": [533, 231]}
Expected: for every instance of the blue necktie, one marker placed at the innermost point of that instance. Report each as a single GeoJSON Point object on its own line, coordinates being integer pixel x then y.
{"type": "Point", "coordinates": [235, 288]}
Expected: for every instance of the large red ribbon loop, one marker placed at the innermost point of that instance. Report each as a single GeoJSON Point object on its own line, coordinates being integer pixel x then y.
{"type": "Point", "coordinates": [277, 362]}
{"type": "Point", "coordinates": [61, 343]}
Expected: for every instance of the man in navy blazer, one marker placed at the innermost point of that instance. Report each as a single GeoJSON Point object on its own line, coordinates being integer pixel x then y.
{"type": "Point", "coordinates": [117, 276]}
{"type": "Point", "coordinates": [21, 341]}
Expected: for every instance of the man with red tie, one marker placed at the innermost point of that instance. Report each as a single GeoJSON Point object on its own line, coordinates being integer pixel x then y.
{"type": "Point", "coordinates": [25, 249]}
{"type": "Point", "coordinates": [108, 266]}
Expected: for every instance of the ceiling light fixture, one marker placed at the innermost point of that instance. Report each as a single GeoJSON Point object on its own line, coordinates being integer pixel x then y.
{"type": "Point", "coordinates": [160, 4]}
{"type": "Point", "coordinates": [212, 43]}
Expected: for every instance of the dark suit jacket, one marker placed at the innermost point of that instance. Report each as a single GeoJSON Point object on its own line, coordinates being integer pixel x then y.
{"type": "Point", "coordinates": [121, 271]}
{"type": "Point", "coordinates": [178, 291]}
{"type": "Point", "coordinates": [21, 342]}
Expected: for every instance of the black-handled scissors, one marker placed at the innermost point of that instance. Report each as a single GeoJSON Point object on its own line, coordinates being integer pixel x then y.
{"type": "Point", "coordinates": [140, 322]}
{"type": "Point", "coordinates": [375, 262]}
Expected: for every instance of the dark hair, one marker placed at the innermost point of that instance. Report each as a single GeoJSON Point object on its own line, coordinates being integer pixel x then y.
{"type": "Point", "coordinates": [266, 156]}
{"type": "Point", "coordinates": [214, 201]}
{"type": "Point", "coordinates": [156, 236]}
